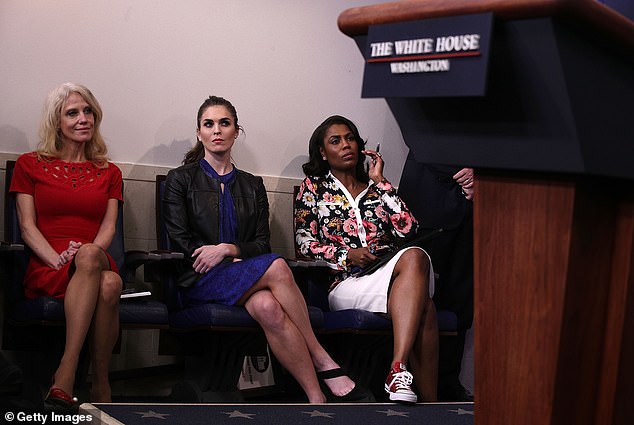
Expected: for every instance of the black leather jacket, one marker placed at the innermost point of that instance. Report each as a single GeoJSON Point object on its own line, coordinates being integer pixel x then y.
{"type": "Point", "coordinates": [191, 208]}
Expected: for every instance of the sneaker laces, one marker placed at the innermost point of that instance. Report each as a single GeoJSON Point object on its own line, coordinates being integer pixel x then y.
{"type": "Point", "coordinates": [402, 380]}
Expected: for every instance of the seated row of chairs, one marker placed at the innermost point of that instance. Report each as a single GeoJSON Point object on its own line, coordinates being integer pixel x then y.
{"type": "Point", "coordinates": [212, 336]}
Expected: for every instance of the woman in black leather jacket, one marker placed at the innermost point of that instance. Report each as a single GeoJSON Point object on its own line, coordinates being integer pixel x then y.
{"type": "Point", "coordinates": [219, 217]}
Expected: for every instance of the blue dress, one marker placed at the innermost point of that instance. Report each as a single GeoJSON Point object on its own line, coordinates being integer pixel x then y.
{"type": "Point", "coordinates": [227, 282]}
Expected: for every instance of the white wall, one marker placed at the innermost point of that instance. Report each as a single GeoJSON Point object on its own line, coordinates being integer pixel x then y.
{"type": "Point", "coordinates": [283, 63]}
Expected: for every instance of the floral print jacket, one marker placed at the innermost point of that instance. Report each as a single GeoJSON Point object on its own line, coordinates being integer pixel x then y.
{"type": "Point", "coordinates": [329, 221]}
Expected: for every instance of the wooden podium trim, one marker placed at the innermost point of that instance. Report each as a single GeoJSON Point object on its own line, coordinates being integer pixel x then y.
{"type": "Point", "coordinates": [589, 13]}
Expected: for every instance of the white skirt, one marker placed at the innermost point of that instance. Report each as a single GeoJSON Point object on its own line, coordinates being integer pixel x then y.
{"type": "Point", "coordinates": [369, 292]}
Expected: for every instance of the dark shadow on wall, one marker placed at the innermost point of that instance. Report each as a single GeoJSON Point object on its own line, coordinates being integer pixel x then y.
{"type": "Point", "coordinates": [282, 224]}
{"type": "Point", "coordinates": [139, 200]}
{"type": "Point", "coordinates": [167, 155]}
{"type": "Point", "coordinates": [294, 167]}
{"type": "Point", "coordinates": [13, 140]}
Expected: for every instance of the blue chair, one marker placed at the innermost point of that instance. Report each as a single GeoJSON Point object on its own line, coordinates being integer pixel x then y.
{"type": "Point", "coordinates": [38, 324]}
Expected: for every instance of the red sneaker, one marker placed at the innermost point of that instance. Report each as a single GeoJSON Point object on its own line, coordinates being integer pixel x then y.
{"type": "Point", "coordinates": [399, 384]}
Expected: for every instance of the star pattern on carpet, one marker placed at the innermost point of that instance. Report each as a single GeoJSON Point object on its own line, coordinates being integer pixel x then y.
{"type": "Point", "coordinates": [152, 414]}
{"type": "Point", "coordinates": [239, 414]}
{"type": "Point", "coordinates": [319, 414]}
{"type": "Point", "coordinates": [290, 414]}
{"type": "Point", "coordinates": [462, 412]}
{"type": "Point", "coordinates": [390, 412]}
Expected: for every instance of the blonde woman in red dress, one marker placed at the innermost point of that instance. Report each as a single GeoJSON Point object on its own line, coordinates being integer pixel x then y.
{"type": "Point", "coordinates": [67, 197]}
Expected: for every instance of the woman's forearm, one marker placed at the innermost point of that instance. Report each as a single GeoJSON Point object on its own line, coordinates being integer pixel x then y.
{"type": "Point", "coordinates": [108, 225]}
{"type": "Point", "coordinates": [25, 208]}
{"type": "Point", "coordinates": [40, 246]}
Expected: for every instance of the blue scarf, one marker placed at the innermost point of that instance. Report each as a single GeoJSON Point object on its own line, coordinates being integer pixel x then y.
{"type": "Point", "coordinates": [227, 213]}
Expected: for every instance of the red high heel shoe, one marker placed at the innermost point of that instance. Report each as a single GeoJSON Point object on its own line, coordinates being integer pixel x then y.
{"type": "Point", "coordinates": [59, 398]}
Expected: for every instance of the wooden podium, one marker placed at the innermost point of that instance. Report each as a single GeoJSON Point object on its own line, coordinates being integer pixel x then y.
{"type": "Point", "coordinates": [552, 142]}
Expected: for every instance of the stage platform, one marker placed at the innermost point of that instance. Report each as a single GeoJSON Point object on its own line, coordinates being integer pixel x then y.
{"type": "Point", "coordinates": [279, 414]}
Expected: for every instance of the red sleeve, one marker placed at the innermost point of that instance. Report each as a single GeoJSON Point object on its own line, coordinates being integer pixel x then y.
{"type": "Point", "coordinates": [115, 191]}
{"type": "Point", "coordinates": [22, 180]}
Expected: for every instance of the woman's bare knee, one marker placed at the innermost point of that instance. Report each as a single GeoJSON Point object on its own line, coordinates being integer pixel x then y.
{"type": "Point", "coordinates": [277, 276]}
{"type": "Point", "coordinates": [90, 256]}
{"type": "Point", "coordinates": [110, 287]}
{"type": "Point", "coordinates": [265, 309]}
{"type": "Point", "coordinates": [410, 278]}
{"type": "Point", "coordinates": [413, 259]}
{"type": "Point", "coordinates": [279, 271]}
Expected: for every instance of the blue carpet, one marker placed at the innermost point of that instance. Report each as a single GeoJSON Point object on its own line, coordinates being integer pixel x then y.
{"type": "Point", "coordinates": [282, 414]}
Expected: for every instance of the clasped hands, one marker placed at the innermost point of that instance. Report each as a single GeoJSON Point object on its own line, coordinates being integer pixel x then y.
{"type": "Point", "coordinates": [209, 256]}
{"type": "Point", "coordinates": [67, 255]}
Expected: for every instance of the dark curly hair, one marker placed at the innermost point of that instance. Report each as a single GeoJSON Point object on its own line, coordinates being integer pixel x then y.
{"type": "Point", "coordinates": [196, 153]}
{"type": "Point", "coordinates": [316, 165]}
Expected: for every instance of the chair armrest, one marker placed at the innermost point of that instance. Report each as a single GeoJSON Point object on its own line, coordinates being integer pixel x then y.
{"type": "Point", "coordinates": [168, 255]}
{"type": "Point", "coordinates": [155, 264]}
{"type": "Point", "coordinates": [160, 271]}
{"type": "Point", "coordinates": [6, 246]}
{"type": "Point", "coordinates": [136, 258]}
{"type": "Point", "coordinates": [303, 263]}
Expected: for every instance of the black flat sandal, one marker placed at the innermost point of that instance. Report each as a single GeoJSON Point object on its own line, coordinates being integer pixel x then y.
{"type": "Point", "coordinates": [358, 394]}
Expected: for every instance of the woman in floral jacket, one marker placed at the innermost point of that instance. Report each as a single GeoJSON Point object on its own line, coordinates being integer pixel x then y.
{"type": "Point", "coordinates": [350, 217]}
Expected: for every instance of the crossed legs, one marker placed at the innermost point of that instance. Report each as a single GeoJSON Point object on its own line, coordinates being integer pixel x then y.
{"type": "Point", "coordinates": [414, 321]}
{"type": "Point", "coordinates": [277, 304]}
{"type": "Point", "coordinates": [91, 305]}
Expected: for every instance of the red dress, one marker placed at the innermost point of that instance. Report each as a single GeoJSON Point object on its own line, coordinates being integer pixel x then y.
{"type": "Point", "coordinates": [70, 202]}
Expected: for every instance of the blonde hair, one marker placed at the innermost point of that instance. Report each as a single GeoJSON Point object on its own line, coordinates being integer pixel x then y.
{"type": "Point", "coordinates": [50, 136]}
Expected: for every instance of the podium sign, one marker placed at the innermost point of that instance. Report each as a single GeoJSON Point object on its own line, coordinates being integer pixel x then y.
{"type": "Point", "coordinates": [442, 57]}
